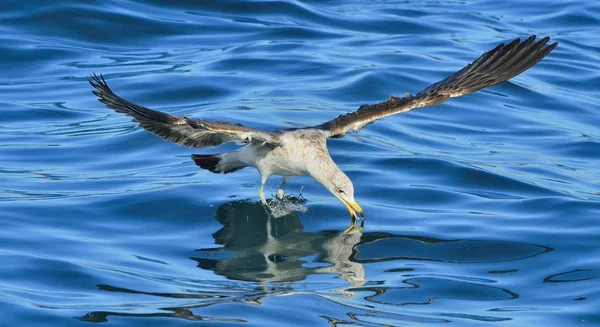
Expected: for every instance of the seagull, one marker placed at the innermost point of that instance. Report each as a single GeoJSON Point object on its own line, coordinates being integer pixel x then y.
{"type": "Point", "coordinates": [301, 151]}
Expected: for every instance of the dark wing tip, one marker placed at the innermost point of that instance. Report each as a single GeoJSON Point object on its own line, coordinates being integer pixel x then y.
{"type": "Point", "coordinates": [544, 40]}
{"type": "Point", "coordinates": [99, 83]}
{"type": "Point", "coordinates": [115, 102]}
{"type": "Point", "coordinates": [95, 80]}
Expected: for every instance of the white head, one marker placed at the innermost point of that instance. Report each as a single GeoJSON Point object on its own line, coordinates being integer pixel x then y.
{"type": "Point", "coordinates": [334, 180]}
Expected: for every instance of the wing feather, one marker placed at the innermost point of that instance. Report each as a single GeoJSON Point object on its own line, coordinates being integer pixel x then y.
{"type": "Point", "coordinates": [495, 66]}
{"type": "Point", "coordinates": [180, 130]}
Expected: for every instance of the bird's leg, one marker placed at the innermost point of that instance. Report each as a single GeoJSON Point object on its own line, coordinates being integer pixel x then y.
{"type": "Point", "coordinates": [280, 191]}
{"type": "Point", "coordinates": [261, 191]}
{"type": "Point", "coordinates": [261, 194]}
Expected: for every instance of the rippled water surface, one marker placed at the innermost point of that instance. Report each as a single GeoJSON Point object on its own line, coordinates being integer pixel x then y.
{"type": "Point", "coordinates": [483, 210]}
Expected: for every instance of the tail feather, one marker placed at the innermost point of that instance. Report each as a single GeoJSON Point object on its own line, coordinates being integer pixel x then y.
{"type": "Point", "coordinates": [216, 163]}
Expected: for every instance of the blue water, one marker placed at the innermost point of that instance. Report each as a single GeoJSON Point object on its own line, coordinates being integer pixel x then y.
{"type": "Point", "coordinates": [484, 210]}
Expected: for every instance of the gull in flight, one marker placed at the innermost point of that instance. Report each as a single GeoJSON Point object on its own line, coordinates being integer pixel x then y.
{"type": "Point", "coordinates": [300, 151]}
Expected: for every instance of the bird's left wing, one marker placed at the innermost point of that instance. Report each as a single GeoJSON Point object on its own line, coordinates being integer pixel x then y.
{"type": "Point", "coordinates": [181, 130]}
{"type": "Point", "coordinates": [493, 67]}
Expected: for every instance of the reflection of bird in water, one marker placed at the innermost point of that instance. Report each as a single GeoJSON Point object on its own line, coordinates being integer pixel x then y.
{"type": "Point", "coordinates": [264, 257]}
{"type": "Point", "coordinates": [293, 152]}
{"type": "Point", "coordinates": [259, 248]}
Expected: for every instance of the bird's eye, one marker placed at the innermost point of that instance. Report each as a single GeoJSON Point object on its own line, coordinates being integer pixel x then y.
{"type": "Point", "coordinates": [340, 191]}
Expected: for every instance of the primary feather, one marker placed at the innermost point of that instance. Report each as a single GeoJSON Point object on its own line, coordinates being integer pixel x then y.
{"type": "Point", "coordinates": [181, 130]}
{"type": "Point", "coordinates": [500, 64]}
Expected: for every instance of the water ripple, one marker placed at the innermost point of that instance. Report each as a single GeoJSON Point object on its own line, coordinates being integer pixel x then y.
{"type": "Point", "coordinates": [481, 210]}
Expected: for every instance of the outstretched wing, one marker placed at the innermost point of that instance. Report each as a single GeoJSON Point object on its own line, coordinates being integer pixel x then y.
{"type": "Point", "coordinates": [181, 130]}
{"type": "Point", "coordinates": [493, 67]}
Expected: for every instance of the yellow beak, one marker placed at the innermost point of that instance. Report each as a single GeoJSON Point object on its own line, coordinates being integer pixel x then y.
{"type": "Point", "coordinates": [353, 208]}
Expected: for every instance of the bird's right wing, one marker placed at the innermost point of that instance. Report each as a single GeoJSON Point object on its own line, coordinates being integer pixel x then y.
{"type": "Point", "coordinates": [181, 130]}
{"type": "Point", "coordinates": [495, 66]}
